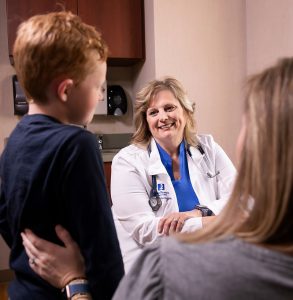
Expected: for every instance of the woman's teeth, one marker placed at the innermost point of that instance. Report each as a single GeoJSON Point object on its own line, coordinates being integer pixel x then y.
{"type": "Point", "coordinates": [166, 126]}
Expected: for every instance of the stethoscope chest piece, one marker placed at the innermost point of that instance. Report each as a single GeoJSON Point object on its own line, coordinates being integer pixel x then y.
{"type": "Point", "coordinates": [155, 202]}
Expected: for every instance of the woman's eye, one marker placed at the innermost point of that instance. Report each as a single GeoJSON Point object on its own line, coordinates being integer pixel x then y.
{"type": "Point", "coordinates": [170, 108]}
{"type": "Point", "coordinates": [152, 113]}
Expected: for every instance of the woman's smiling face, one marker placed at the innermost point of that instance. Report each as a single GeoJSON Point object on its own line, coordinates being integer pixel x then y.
{"type": "Point", "coordinates": [166, 118]}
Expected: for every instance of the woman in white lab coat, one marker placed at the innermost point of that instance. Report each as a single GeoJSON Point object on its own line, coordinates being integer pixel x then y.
{"type": "Point", "coordinates": [169, 179]}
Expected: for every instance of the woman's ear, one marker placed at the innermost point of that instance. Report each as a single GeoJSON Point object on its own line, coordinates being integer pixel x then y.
{"type": "Point", "coordinates": [63, 89]}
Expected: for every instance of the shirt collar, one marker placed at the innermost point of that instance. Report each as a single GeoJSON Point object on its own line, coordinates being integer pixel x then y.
{"type": "Point", "coordinates": [157, 163]}
{"type": "Point", "coordinates": [167, 160]}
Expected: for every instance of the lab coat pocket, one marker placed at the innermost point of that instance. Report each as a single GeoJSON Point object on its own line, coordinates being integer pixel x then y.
{"type": "Point", "coordinates": [166, 194]}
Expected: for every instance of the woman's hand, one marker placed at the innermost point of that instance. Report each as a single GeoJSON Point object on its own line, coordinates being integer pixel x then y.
{"type": "Point", "coordinates": [56, 264]}
{"type": "Point", "coordinates": [174, 222]}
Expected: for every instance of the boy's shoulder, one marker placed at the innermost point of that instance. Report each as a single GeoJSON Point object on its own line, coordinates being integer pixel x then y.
{"type": "Point", "coordinates": [41, 129]}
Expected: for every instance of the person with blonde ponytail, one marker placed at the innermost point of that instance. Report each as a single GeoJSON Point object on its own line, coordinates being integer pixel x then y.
{"type": "Point", "coordinates": [247, 252]}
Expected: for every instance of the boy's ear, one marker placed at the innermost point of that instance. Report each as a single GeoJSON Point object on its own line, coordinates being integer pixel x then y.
{"type": "Point", "coordinates": [63, 89]}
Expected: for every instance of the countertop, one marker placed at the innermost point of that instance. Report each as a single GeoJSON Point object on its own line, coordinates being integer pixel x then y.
{"type": "Point", "coordinates": [112, 143]}
{"type": "Point", "coordinates": [108, 154]}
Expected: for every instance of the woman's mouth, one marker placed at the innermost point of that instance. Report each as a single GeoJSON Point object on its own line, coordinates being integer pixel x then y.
{"type": "Point", "coordinates": [166, 126]}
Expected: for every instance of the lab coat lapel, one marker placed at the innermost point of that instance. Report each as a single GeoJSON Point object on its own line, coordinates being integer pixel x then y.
{"type": "Point", "coordinates": [198, 164]}
{"type": "Point", "coordinates": [155, 164]}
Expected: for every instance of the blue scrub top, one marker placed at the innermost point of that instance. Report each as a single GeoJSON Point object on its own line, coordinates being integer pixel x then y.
{"type": "Point", "coordinates": [186, 196]}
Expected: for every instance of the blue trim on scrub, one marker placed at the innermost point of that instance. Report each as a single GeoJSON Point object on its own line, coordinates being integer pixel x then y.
{"type": "Point", "coordinates": [186, 196]}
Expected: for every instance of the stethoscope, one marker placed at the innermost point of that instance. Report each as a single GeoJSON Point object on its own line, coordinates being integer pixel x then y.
{"type": "Point", "coordinates": [155, 201]}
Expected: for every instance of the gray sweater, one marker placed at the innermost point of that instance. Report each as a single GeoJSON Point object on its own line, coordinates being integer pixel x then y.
{"type": "Point", "coordinates": [227, 269]}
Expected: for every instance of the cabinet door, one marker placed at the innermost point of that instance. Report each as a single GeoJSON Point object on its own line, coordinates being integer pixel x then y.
{"type": "Point", "coordinates": [107, 171]}
{"type": "Point", "coordinates": [121, 23]}
{"type": "Point", "coordinates": [3, 290]}
{"type": "Point", "coordinates": [18, 11]}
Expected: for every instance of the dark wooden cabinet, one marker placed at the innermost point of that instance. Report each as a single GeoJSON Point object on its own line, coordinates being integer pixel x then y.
{"type": "Point", "coordinates": [3, 290]}
{"type": "Point", "coordinates": [20, 10]}
{"type": "Point", "coordinates": [120, 21]}
{"type": "Point", "coordinates": [122, 25]}
{"type": "Point", "coordinates": [107, 171]}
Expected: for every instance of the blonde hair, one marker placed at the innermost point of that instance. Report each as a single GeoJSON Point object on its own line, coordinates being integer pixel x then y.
{"type": "Point", "coordinates": [142, 134]}
{"type": "Point", "coordinates": [261, 206]}
{"type": "Point", "coordinates": [52, 45]}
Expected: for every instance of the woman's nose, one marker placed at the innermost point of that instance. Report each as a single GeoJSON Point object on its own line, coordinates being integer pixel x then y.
{"type": "Point", "coordinates": [163, 115]}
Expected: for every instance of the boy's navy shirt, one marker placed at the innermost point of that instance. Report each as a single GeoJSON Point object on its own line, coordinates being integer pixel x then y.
{"type": "Point", "coordinates": [51, 174]}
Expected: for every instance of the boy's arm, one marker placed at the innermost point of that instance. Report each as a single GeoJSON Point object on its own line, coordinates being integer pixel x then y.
{"type": "Point", "coordinates": [4, 228]}
{"type": "Point", "coordinates": [89, 217]}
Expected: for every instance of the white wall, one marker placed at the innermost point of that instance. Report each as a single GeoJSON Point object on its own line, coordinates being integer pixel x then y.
{"type": "Point", "coordinates": [202, 43]}
{"type": "Point", "coordinates": [147, 71]}
{"type": "Point", "coordinates": [269, 32]}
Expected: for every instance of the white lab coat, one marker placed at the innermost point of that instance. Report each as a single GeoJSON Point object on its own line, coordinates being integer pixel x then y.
{"type": "Point", "coordinates": [131, 182]}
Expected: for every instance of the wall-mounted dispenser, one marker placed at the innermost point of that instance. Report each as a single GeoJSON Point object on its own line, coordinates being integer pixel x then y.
{"type": "Point", "coordinates": [19, 99]}
{"type": "Point", "coordinates": [114, 103]}
{"type": "Point", "coordinates": [117, 101]}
